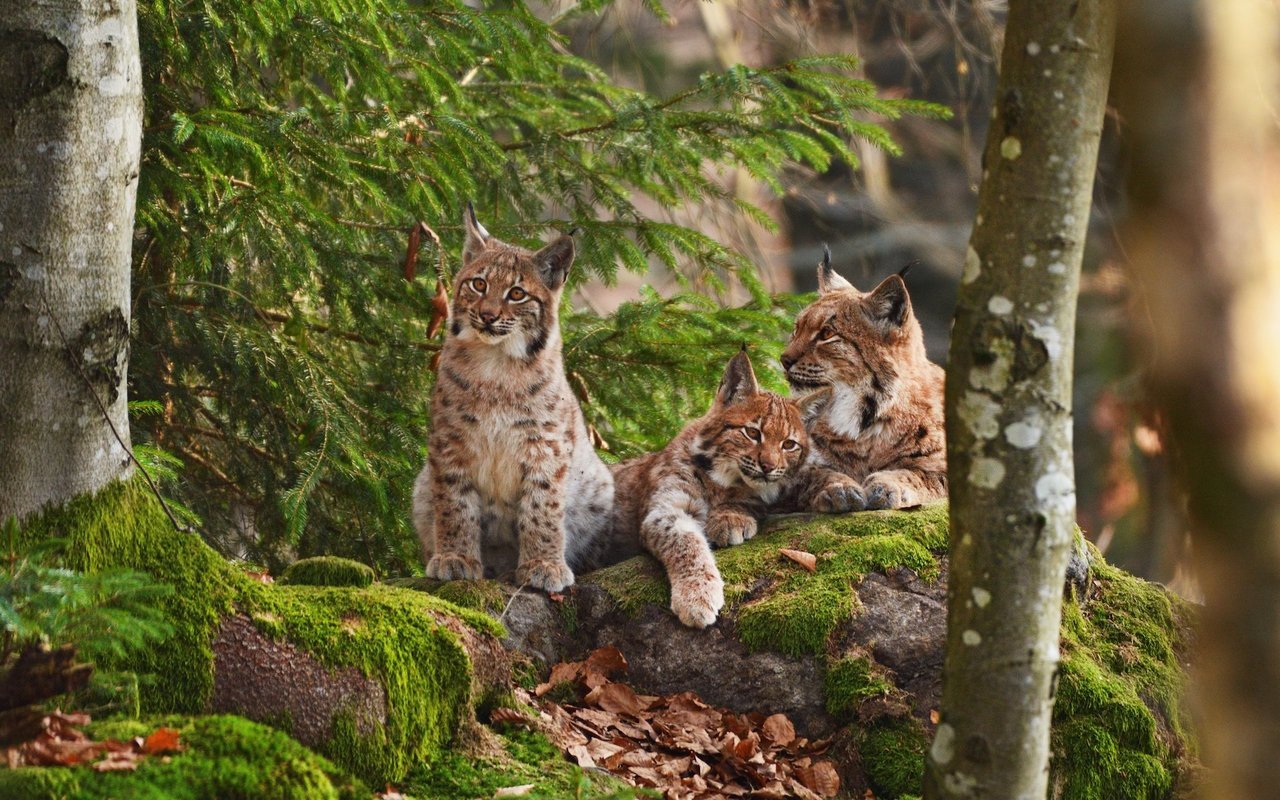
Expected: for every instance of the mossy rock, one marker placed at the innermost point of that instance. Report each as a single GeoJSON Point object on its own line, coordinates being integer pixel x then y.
{"type": "Point", "coordinates": [224, 757]}
{"type": "Point", "coordinates": [328, 571]}
{"type": "Point", "coordinates": [479, 595]}
{"type": "Point", "coordinates": [412, 644]}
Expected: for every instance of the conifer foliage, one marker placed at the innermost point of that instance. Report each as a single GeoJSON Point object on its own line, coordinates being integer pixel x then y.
{"type": "Point", "coordinates": [289, 148]}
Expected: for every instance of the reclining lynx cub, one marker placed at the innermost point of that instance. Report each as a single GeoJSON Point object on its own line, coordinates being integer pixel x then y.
{"type": "Point", "coordinates": [511, 469]}
{"type": "Point", "coordinates": [883, 423]}
{"type": "Point", "coordinates": [710, 485]}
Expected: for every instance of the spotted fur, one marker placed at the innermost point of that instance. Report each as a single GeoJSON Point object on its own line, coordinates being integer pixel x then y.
{"type": "Point", "coordinates": [710, 486]}
{"type": "Point", "coordinates": [881, 422]}
{"type": "Point", "coordinates": [511, 473]}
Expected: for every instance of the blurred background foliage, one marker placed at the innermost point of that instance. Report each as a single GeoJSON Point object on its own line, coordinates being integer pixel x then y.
{"type": "Point", "coordinates": [704, 149]}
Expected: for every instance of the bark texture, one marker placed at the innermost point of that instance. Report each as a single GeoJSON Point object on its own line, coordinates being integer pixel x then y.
{"type": "Point", "coordinates": [1009, 404]}
{"type": "Point", "coordinates": [1197, 83]}
{"type": "Point", "coordinates": [70, 140]}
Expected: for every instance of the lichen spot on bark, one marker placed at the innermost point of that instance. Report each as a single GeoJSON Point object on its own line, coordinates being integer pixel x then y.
{"type": "Point", "coordinates": [981, 596]}
{"type": "Point", "coordinates": [986, 473]}
{"type": "Point", "coordinates": [1024, 434]}
{"type": "Point", "coordinates": [971, 638]}
{"type": "Point", "coordinates": [1056, 491]}
{"type": "Point", "coordinates": [1011, 148]}
{"type": "Point", "coordinates": [1033, 48]}
{"type": "Point", "coordinates": [979, 413]}
{"type": "Point", "coordinates": [972, 266]}
{"type": "Point", "coordinates": [944, 745]}
{"type": "Point", "coordinates": [999, 305]}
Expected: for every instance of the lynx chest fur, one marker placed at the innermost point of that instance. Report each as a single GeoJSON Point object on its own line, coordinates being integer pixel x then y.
{"type": "Point", "coordinates": [882, 421]}
{"type": "Point", "coordinates": [512, 480]}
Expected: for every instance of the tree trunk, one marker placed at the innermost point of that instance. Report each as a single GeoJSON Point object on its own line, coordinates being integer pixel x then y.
{"type": "Point", "coordinates": [70, 139]}
{"type": "Point", "coordinates": [1009, 403]}
{"type": "Point", "coordinates": [1197, 84]}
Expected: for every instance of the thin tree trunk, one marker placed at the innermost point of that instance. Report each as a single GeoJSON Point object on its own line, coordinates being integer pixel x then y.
{"type": "Point", "coordinates": [70, 140]}
{"type": "Point", "coordinates": [1009, 403]}
{"type": "Point", "coordinates": [1197, 85]}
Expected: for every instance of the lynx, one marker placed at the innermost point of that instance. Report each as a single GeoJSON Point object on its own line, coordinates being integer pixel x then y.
{"type": "Point", "coordinates": [511, 471]}
{"type": "Point", "coordinates": [882, 421]}
{"type": "Point", "coordinates": [710, 486]}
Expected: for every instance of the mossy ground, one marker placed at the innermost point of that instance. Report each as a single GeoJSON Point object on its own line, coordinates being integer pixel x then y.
{"type": "Point", "coordinates": [893, 757]}
{"type": "Point", "coordinates": [851, 680]}
{"type": "Point", "coordinates": [528, 758]}
{"type": "Point", "coordinates": [328, 571]}
{"type": "Point", "coordinates": [390, 635]}
{"type": "Point", "coordinates": [225, 758]}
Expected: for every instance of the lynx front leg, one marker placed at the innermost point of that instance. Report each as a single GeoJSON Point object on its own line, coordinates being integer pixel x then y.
{"type": "Point", "coordinates": [826, 491]}
{"type": "Point", "coordinates": [732, 524]}
{"type": "Point", "coordinates": [541, 526]}
{"type": "Point", "coordinates": [677, 540]}
{"type": "Point", "coordinates": [455, 534]}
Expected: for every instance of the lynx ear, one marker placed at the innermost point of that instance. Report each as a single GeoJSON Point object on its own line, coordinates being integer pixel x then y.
{"type": "Point", "coordinates": [738, 383]}
{"type": "Point", "coordinates": [810, 404]}
{"type": "Point", "coordinates": [888, 305]}
{"type": "Point", "coordinates": [477, 238]}
{"type": "Point", "coordinates": [554, 261]}
{"type": "Point", "coordinates": [828, 279]}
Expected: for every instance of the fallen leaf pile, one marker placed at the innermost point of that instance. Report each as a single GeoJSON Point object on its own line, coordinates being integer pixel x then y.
{"type": "Point", "coordinates": [62, 744]}
{"type": "Point", "coordinates": [679, 744]}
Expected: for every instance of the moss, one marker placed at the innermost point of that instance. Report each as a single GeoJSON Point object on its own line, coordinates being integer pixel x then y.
{"type": "Point", "coordinates": [851, 680]}
{"type": "Point", "coordinates": [1119, 728]}
{"type": "Point", "coordinates": [225, 758]}
{"type": "Point", "coordinates": [393, 636]}
{"type": "Point", "coordinates": [483, 595]}
{"type": "Point", "coordinates": [328, 571]}
{"type": "Point", "coordinates": [799, 610]}
{"type": "Point", "coordinates": [527, 758]}
{"type": "Point", "coordinates": [108, 694]}
{"type": "Point", "coordinates": [124, 526]}
{"type": "Point", "coordinates": [893, 756]}
{"type": "Point", "coordinates": [386, 633]}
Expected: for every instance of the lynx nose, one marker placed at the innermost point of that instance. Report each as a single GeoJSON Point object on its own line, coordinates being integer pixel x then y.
{"type": "Point", "coordinates": [787, 362]}
{"type": "Point", "coordinates": [767, 465]}
{"type": "Point", "coordinates": [487, 317]}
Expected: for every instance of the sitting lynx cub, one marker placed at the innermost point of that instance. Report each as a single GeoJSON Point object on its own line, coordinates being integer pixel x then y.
{"type": "Point", "coordinates": [511, 469]}
{"type": "Point", "coordinates": [883, 423]}
{"type": "Point", "coordinates": [711, 483]}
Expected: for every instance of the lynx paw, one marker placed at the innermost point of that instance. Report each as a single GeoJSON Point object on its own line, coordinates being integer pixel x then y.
{"type": "Point", "coordinates": [728, 529]}
{"type": "Point", "coordinates": [697, 603]}
{"type": "Point", "coordinates": [549, 576]}
{"type": "Point", "coordinates": [840, 495]}
{"type": "Point", "coordinates": [888, 493]}
{"type": "Point", "coordinates": [451, 566]}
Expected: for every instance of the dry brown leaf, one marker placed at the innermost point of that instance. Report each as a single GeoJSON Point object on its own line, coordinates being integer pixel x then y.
{"type": "Point", "coordinates": [779, 730]}
{"type": "Point", "coordinates": [618, 698]}
{"type": "Point", "coordinates": [934, 716]}
{"type": "Point", "coordinates": [826, 781]}
{"type": "Point", "coordinates": [163, 740]}
{"type": "Point", "coordinates": [439, 309]}
{"type": "Point", "coordinates": [807, 560]}
{"type": "Point", "coordinates": [508, 716]}
{"type": "Point", "coordinates": [607, 661]}
{"type": "Point", "coordinates": [117, 762]}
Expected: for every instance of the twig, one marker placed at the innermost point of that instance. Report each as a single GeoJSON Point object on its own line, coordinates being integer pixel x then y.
{"type": "Point", "coordinates": [66, 346]}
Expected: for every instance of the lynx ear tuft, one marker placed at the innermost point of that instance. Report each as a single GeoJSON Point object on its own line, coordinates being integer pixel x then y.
{"type": "Point", "coordinates": [828, 279]}
{"type": "Point", "coordinates": [739, 381]}
{"type": "Point", "coordinates": [477, 238]}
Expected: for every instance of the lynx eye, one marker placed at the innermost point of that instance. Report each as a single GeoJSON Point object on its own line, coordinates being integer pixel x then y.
{"type": "Point", "coordinates": [479, 285]}
{"type": "Point", "coordinates": [751, 433]}
{"type": "Point", "coordinates": [827, 334]}
{"type": "Point", "coordinates": [517, 295]}
{"type": "Point", "coordinates": [791, 445]}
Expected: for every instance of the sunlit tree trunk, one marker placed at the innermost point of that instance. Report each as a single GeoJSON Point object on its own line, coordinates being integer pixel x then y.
{"type": "Point", "coordinates": [1198, 85]}
{"type": "Point", "coordinates": [1009, 403]}
{"type": "Point", "coordinates": [70, 138]}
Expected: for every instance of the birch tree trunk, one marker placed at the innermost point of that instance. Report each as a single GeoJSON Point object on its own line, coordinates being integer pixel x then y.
{"type": "Point", "coordinates": [1009, 450]}
{"type": "Point", "coordinates": [70, 140]}
{"type": "Point", "coordinates": [1198, 91]}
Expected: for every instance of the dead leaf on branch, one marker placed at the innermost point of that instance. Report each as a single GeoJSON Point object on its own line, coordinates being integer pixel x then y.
{"type": "Point", "coordinates": [62, 744]}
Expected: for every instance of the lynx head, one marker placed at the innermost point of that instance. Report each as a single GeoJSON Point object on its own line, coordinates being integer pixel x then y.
{"type": "Point", "coordinates": [750, 436]}
{"type": "Point", "coordinates": [856, 339]}
{"type": "Point", "coordinates": [506, 296]}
